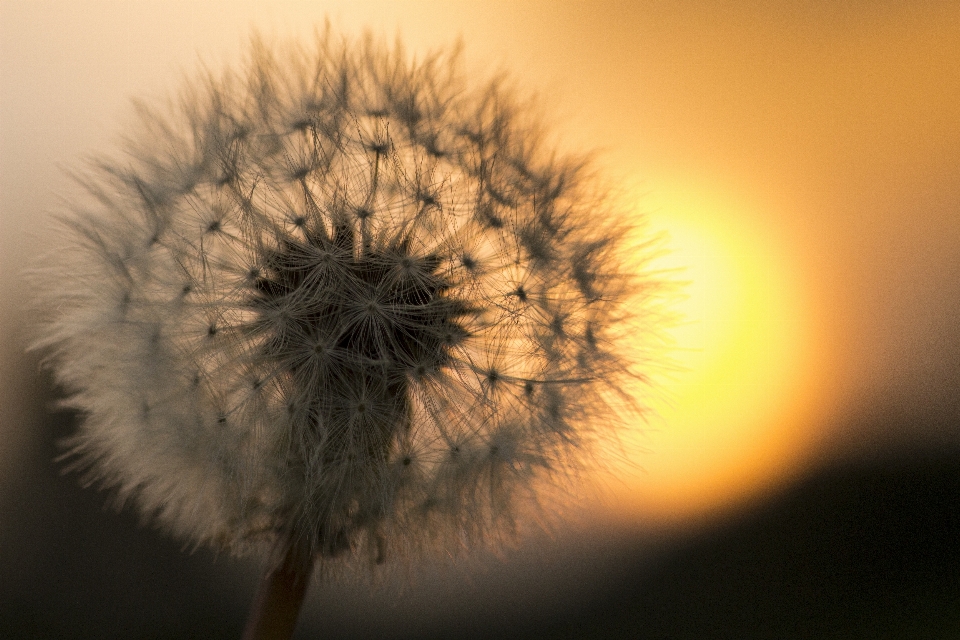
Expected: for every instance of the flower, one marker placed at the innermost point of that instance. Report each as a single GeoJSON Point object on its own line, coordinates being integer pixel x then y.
{"type": "Point", "coordinates": [341, 300]}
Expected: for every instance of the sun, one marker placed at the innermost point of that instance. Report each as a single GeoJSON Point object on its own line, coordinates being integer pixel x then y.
{"type": "Point", "coordinates": [733, 414]}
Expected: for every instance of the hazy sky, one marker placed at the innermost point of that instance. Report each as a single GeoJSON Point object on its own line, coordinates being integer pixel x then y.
{"type": "Point", "coordinates": [805, 157]}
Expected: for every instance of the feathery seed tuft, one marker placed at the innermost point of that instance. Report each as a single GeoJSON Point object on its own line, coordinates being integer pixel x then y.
{"type": "Point", "coordinates": [339, 299]}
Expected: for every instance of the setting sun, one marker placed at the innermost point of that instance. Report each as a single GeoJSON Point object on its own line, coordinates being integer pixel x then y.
{"type": "Point", "coordinates": [728, 417]}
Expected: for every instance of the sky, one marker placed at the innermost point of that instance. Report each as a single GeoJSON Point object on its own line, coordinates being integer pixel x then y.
{"type": "Point", "coordinates": [802, 158]}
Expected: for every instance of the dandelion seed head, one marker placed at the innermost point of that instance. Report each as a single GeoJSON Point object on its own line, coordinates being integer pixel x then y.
{"type": "Point", "coordinates": [339, 298]}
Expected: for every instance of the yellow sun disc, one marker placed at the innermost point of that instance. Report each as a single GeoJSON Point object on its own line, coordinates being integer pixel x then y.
{"type": "Point", "coordinates": [732, 418]}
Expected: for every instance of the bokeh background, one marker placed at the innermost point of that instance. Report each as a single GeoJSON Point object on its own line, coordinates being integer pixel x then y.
{"type": "Point", "coordinates": [801, 478]}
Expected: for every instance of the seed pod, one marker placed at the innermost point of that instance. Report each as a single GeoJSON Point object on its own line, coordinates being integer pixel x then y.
{"type": "Point", "coordinates": [342, 300]}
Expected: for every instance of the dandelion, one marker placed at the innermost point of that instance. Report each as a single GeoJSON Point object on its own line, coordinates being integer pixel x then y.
{"type": "Point", "coordinates": [337, 307]}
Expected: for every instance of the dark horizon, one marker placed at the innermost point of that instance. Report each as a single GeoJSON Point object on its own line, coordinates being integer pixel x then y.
{"type": "Point", "coordinates": [864, 547]}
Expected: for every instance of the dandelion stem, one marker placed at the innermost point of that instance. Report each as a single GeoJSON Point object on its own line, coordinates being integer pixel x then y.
{"type": "Point", "coordinates": [273, 615]}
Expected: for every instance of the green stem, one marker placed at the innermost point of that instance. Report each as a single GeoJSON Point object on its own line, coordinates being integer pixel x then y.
{"type": "Point", "coordinates": [273, 615]}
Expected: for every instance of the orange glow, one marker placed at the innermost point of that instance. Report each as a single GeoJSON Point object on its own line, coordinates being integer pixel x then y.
{"type": "Point", "coordinates": [783, 144]}
{"type": "Point", "coordinates": [735, 417]}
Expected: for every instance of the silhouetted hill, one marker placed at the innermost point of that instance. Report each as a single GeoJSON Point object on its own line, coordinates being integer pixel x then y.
{"type": "Point", "coordinates": [862, 549]}
{"type": "Point", "coordinates": [866, 549]}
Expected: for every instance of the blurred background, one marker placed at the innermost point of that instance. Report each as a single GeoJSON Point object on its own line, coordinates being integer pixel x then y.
{"type": "Point", "coordinates": [801, 477]}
